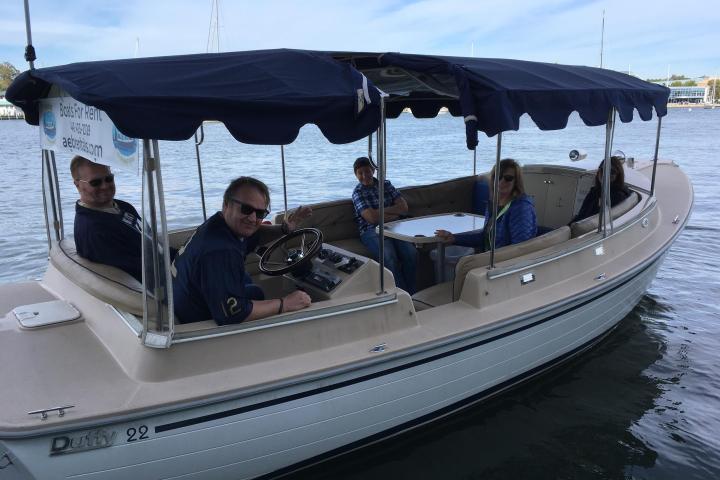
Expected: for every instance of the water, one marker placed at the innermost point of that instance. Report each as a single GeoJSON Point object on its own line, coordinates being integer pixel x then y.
{"type": "Point", "coordinates": [644, 404]}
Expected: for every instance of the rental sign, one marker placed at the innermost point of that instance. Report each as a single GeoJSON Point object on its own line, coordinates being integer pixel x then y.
{"type": "Point", "coordinates": [67, 125]}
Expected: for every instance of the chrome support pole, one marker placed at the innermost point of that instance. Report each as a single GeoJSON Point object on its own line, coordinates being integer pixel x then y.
{"type": "Point", "coordinates": [370, 147]}
{"type": "Point", "coordinates": [147, 180]}
{"type": "Point", "coordinates": [605, 197]}
{"type": "Point", "coordinates": [53, 191]}
{"type": "Point", "coordinates": [381, 158]}
{"type": "Point", "coordinates": [282, 158]}
{"type": "Point", "coordinates": [158, 308]}
{"type": "Point", "coordinates": [61, 226]}
{"type": "Point", "coordinates": [197, 156]}
{"type": "Point", "coordinates": [655, 157]}
{"type": "Point", "coordinates": [496, 184]}
{"type": "Point", "coordinates": [45, 178]}
{"type": "Point", "coordinates": [474, 161]}
{"type": "Point", "coordinates": [164, 243]}
{"type": "Point", "coordinates": [29, 49]}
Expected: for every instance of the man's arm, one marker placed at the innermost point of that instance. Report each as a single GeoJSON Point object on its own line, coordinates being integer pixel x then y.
{"type": "Point", "coordinates": [399, 207]}
{"type": "Point", "coordinates": [296, 300]}
{"type": "Point", "coordinates": [269, 233]}
{"type": "Point", "coordinates": [222, 282]}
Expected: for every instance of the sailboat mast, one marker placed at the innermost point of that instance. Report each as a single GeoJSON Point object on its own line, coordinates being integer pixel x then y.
{"type": "Point", "coordinates": [602, 39]}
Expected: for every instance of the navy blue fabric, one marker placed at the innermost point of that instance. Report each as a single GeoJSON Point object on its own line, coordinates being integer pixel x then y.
{"type": "Point", "coordinates": [517, 224]}
{"type": "Point", "coordinates": [263, 97]}
{"type": "Point", "coordinates": [209, 278]}
{"type": "Point", "coordinates": [499, 91]}
{"type": "Point", "coordinates": [480, 196]}
{"type": "Point", "coordinates": [110, 238]}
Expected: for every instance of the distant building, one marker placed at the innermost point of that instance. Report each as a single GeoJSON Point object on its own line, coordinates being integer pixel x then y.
{"type": "Point", "coordinates": [8, 110]}
{"type": "Point", "coordinates": [697, 94]}
{"type": "Point", "coordinates": [688, 95]}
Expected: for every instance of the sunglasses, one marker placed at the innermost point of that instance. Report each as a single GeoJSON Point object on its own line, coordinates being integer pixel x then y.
{"type": "Point", "coordinates": [96, 182]}
{"type": "Point", "coordinates": [507, 178]}
{"type": "Point", "coordinates": [246, 209]}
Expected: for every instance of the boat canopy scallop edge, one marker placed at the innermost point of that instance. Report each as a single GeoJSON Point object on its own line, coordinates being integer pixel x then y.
{"type": "Point", "coordinates": [262, 97]}
{"type": "Point", "coordinates": [492, 94]}
{"type": "Point", "coordinates": [266, 96]}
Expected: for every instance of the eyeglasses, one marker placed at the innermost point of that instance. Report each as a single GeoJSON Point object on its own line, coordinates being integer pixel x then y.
{"type": "Point", "coordinates": [507, 178]}
{"type": "Point", "coordinates": [246, 209]}
{"type": "Point", "coordinates": [96, 182]}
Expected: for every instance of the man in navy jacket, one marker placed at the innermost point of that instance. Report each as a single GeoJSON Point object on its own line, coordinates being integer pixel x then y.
{"type": "Point", "coordinates": [107, 230]}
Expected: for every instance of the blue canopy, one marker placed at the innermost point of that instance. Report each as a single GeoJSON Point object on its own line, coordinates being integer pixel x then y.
{"type": "Point", "coordinates": [492, 94]}
{"type": "Point", "coordinates": [266, 96]}
{"type": "Point", "coordinates": [263, 97]}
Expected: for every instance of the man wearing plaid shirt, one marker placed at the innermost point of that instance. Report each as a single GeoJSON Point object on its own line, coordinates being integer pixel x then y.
{"type": "Point", "coordinates": [400, 257]}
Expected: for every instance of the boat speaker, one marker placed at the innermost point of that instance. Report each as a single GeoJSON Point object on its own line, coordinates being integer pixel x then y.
{"type": "Point", "coordinates": [576, 155]}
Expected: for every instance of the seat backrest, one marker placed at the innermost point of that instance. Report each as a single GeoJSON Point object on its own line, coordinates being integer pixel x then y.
{"type": "Point", "coordinates": [470, 262]}
{"type": "Point", "coordinates": [451, 196]}
{"type": "Point", "coordinates": [590, 224]}
{"type": "Point", "coordinates": [109, 284]}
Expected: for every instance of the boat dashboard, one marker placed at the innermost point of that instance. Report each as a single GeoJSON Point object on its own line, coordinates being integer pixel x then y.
{"type": "Point", "coordinates": [332, 272]}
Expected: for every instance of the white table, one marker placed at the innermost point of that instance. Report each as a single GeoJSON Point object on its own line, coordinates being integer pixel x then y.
{"type": "Point", "coordinates": [422, 230]}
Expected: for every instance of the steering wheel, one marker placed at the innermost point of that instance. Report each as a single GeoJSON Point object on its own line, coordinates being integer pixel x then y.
{"type": "Point", "coordinates": [279, 259]}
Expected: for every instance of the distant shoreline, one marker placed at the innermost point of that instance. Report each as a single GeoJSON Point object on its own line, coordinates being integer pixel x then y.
{"type": "Point", "coordinates": [694, 105]}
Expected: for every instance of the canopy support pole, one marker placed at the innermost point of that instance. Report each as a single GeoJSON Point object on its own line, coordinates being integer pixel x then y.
{"type": "Point", "coordinates": [496, 183]}
{"type": "Point", "coordinates": [381, 158]}
{"type": "Point", "coordinates": [52, 205]}
{"type": "Point", "coordinates": [197, 156]}
{"type": "Point", "coordinates": [370, 148]}
{"type": "Point", "coordinates": [655, 157]}
{"type": "Point", "coordinates": [29, 49]}
{"type": "Point", "coordinates": [605, 214]}
{"type": "Point", "coordinates": [157, 282]}
{"type": "Point", "coordinates": [282, 159]}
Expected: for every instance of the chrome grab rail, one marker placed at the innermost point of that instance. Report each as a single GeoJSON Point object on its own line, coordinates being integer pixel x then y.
{"type": "Point", "coordinates": [44, 412]}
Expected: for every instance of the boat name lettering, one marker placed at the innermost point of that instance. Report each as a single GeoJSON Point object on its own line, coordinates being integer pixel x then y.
{"type": "Point", "coordinates": [91, 440]}
{"type": "Point", "coordinates": [80, 111]}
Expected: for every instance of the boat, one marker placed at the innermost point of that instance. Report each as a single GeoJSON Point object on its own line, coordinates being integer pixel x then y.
{"type": "Point", "coordinates": [105, 383]}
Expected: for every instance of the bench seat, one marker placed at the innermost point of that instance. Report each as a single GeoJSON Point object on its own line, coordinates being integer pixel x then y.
{"type": "Point", "coordinates": [109, 284]}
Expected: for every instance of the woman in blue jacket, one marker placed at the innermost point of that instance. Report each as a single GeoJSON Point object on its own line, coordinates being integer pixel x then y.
{"type": "Point", "coordinates": [516, 220]}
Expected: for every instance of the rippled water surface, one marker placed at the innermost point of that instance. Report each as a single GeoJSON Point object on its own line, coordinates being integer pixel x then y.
{"type": "Point", "coordinates": [644, 404]}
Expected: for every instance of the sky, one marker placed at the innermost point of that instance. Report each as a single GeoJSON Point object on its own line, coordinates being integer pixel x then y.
{"type": "Point", "coordinates": [648, 38]}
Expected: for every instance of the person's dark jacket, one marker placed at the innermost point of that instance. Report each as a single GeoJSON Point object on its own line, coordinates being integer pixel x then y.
{"type": "Point", "coordinates": [591, 204]}
{"type": "Point", "coordinates": [113, 239]}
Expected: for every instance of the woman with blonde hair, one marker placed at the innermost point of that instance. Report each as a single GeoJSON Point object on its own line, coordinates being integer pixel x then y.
{"type": "Point", "coordinates": [516, 219]}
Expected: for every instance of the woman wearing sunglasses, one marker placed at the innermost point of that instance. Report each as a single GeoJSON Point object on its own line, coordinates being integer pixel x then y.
{"type": "Point", "coordinates": [516, 219]}
{"type": "Point", "coordinates": [618, 190]}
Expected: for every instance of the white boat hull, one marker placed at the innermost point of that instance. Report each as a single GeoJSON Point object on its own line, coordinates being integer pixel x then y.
{"type": "Point", "coordinates": [284, 429]}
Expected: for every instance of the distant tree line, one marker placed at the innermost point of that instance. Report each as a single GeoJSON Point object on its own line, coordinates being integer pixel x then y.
{"type": "Point", "coordinates": [672, 77]}
{"type": "Point", "coordinates": [687, 83]}
{"type": "Point", "coordinates": [714, 93]}
{"type": "Point", "coordinates": [7, 73]}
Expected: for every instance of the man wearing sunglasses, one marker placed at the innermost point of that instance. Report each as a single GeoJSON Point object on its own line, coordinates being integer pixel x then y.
{"type": "Point", "coordinates": [106, 230]}
{"type": "Point", "coordinates": [209, 277]}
